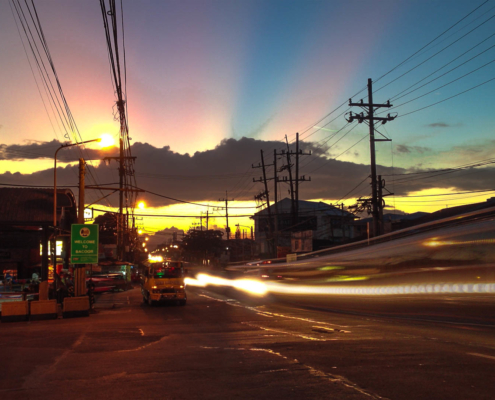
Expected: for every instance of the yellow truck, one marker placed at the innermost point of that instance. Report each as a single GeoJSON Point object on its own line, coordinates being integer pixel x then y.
{"type": "Point", "coordinates": [164, 282]}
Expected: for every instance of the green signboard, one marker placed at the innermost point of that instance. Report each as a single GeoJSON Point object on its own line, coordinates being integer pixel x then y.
{"type": "Point", "coordinates": [84, 244]}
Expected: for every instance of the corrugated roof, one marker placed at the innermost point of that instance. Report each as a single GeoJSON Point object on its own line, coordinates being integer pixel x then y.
{"type": "Point", "coordinates": [284, 206]}
{"type": "Point", "coordinates": [27, 205]}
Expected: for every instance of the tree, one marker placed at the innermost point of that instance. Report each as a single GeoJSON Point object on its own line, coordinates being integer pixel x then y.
{"type": "Point", "coordinates": [201, 245]}
{"type": "Point", "coordinates": [107, 227]}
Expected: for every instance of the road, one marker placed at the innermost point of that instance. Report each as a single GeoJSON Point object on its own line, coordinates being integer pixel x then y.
{"type": "Point", "coordinates": [223, 344]}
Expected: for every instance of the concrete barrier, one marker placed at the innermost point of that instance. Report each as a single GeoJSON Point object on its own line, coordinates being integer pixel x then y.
{"type": "Point", "coordinates": [76, 307]}
{"type": "Point", "coordinates": [43, 290]}
{"type": "Point", "coordinates": [14, 311]}
{"type": "Point", "coordinates": [43, 309]}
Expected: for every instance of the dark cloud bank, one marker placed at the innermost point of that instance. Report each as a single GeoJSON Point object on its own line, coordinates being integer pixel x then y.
{"type": "Point", "coordinates": [205, 176]}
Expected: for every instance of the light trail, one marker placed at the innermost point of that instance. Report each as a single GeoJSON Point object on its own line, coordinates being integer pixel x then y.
{"type": "Point", "coordinates": [246, 285]}
{"type": "Point", "coordinates": [435, 243]}
{"type": "Point", "coordinates": [260, 288]}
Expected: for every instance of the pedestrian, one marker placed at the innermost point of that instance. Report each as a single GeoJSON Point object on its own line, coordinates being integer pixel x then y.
{"type": "Point", "coordinates": [91, 289]}
{"type": "Point", "coordinates": [7, 281]}
{"type": "Point", "coordinates": [35, 279]}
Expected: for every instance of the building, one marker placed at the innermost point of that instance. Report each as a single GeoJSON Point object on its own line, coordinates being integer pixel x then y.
{"type": "Point", "coordinates": [26, 227]}
{"type": "Point", "coordinates": [328, 225]}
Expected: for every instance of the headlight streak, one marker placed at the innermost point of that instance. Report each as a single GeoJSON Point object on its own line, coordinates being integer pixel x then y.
{"type": "Point", "coordinates": [437, 243]}
{"type": "Point", "coordinates": [246, 285]}
{"type": "Point", "coordinates": [261, 288]}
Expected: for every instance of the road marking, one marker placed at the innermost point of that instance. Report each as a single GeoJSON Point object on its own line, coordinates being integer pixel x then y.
{"type": "Point", "coordinates": [142, 347]}
{"type": "Point", "coordinates": [324, 329]}
{"type": "Point", "coordinates": [288, 333]}
{"type": "Point", "coordinates": [274, 370]}
{"type": "Point", "coordinates": [321, 374]}
{"type": "Point", "coordinates": [269, 314]}
{"type": "Point", "coordinates": [313, 371]}
{"type": "Point", "coordinates": [482, 355]}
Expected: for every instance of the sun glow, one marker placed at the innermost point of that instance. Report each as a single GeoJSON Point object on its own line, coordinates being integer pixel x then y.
{"type": "Point", "coordinates": [107, 140]}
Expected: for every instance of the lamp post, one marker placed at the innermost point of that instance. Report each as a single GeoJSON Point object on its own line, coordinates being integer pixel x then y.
{"type": "Point", "coordinates": [55, 174]}
{"type": "Point", "coordinates": [54, 242]}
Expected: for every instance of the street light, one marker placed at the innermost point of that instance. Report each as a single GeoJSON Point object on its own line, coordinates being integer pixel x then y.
{"type": "Point", "coordinates": [55, 174]}
{"type": "Point", "coordinates": [106, 143]}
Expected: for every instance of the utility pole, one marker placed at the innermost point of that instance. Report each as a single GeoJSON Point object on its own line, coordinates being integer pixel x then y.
{"type": "Point", "coordinates": [297, 178]}
{"type": "Point", "coordinates": [289, 167]}
{"type": "Point", "coordinates": [275, 192]}
{"type": "Point", "coordinates": [267, 195]}
{"type": "Point", "coordinates": [370, 107]}
{"type": "Point", "coordinates": [294, 192]}
{"type": "Point", "coordinates": [80, 270]}
{"type": "Point", "coordinates": [120, 224]}
{"type": "Point", "coordinates": [342, 221]}
{"type": "Point", "coordinates": [121, 227]}
{"type": "Point", "coordinates": [299, 153]}
{"type": "Point", "coordinates": [82, 173]}
{"type": "Point", "coordinates": [227, 229]}
{"type": "Point", "coordinates": [381, 200]}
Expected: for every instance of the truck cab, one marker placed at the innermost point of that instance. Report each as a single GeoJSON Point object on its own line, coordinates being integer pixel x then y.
{"type": "Point", "coordinates": [164, 282]}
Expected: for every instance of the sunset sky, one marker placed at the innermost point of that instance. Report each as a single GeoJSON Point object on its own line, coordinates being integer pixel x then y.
{"type": "Point", "coordinates": [210, 83]}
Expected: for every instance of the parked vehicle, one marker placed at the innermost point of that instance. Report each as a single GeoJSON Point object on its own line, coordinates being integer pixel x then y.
{"type": "Point", "coordinates": [109, 282]}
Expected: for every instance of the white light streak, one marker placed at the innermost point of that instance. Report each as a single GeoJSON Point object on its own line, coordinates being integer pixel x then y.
{"type": "Point", "coordinates": [261, 288]}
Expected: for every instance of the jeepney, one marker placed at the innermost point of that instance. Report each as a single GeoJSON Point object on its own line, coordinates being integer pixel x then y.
{"type": "Point", "coordinates": [164, 282]}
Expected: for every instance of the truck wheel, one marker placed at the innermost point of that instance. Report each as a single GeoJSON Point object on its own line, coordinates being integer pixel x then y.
{"type": "Point", "coordinates": [150, 302]}
{"type": "Point", "coordinates": [182, 302]}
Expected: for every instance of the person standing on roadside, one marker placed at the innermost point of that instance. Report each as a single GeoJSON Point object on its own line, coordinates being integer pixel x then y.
{"type": "Point", "coordinates": [7, 281]}
{"type": "Point", "coordinates": [91, 295]}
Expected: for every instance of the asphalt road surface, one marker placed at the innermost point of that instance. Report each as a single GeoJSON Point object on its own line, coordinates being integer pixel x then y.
{"type": "Point", "coordinates": [224, 345]}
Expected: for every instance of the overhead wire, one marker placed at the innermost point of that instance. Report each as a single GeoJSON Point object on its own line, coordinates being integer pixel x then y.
{"type": "Point", "coordinates": [63, 110]}
{"type": "Point", "coordinates": [398, 95]}
{"type": "Point", "coordinates": [432, 41]}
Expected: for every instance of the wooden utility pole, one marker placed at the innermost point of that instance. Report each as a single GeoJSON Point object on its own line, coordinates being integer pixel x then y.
{"type": "Point", "coordinates": [267, 200]}
{"type": "Point", "coordinates": [370, 107]}
{"type": "Point", "coordinates": [121, 226]}
{"type": "Point", "coordinates": [80, 270]}
{"type": "Point", "coordinates": [298, 153]}
{"type": "Point", "coordinates": [291, 184]}
{"type": "Point", "coordinates": [342, 221]}
{"type": "Point", "coordinates": [294, 192]}
{"type": "Point", "coordinates": [82, 174]}
{"type": "Point", "coordinates": [227, 229]}
{"type": "Point", "coordinates": [275, 192]}
{"type": "Point", "coordinates": [266, 194]}
{"type": "Point", "coordinates": [297, 177]}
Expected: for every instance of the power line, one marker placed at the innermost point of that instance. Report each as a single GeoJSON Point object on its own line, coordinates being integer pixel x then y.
{"type": "Point", "coordinates": [345, 151]}
{"type": "Point", "coordinates": [431, 41]}
{"type": "Point", "coordinates": [189, 202]}
{"type": "Point", "coordinates": [397, 96]}
{"type": "Point", "coordinates": [171, 216]}
{"type": "Point", "coordinates": [448, 98]}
